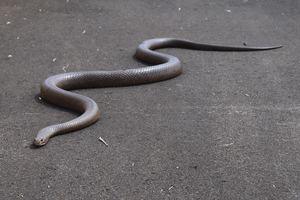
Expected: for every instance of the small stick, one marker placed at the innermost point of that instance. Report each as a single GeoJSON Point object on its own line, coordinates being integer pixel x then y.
{"type": "Point", "coordinates": [100, 138]}
{"type": "Point", "coordinates": [65, 67]}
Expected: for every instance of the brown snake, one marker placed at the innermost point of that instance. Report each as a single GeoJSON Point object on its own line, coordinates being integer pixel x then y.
{"type": "Point", "coordinates": [54, 89]}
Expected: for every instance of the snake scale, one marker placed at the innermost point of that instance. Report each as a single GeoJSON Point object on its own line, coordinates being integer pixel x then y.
{"type": "Point", "coordinates": [55, 89]}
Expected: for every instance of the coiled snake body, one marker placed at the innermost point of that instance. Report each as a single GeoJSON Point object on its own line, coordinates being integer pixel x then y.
{"type": "Point", "coordinates": [54, 89]}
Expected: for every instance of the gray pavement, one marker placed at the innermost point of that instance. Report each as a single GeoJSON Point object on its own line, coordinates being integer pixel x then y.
{"type": "Point", "coordinates": [227, 128]}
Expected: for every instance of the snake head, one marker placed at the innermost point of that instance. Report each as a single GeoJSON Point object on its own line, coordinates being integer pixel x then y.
{"type": "Point", "coordinates": [40, 141]}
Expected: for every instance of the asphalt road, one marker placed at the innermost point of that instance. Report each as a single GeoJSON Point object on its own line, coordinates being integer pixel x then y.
{"type": "Point", "coordinates": [227, 128]}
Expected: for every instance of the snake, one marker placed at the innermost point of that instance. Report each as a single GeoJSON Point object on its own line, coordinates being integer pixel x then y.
{"type": "Point", "coordinates": [56, 89]}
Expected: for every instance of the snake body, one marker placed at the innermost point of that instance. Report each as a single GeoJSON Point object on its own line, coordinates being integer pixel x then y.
{"type": "Point", "coordinates": [55, 88]}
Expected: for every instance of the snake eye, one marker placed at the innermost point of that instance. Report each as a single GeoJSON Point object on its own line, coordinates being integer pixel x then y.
{"type": "Point", "coordinates": [42, 140]}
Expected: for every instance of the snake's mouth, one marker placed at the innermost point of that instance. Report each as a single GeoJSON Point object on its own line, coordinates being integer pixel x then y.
{"type": "Point", "coordinates": [39, 142]}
